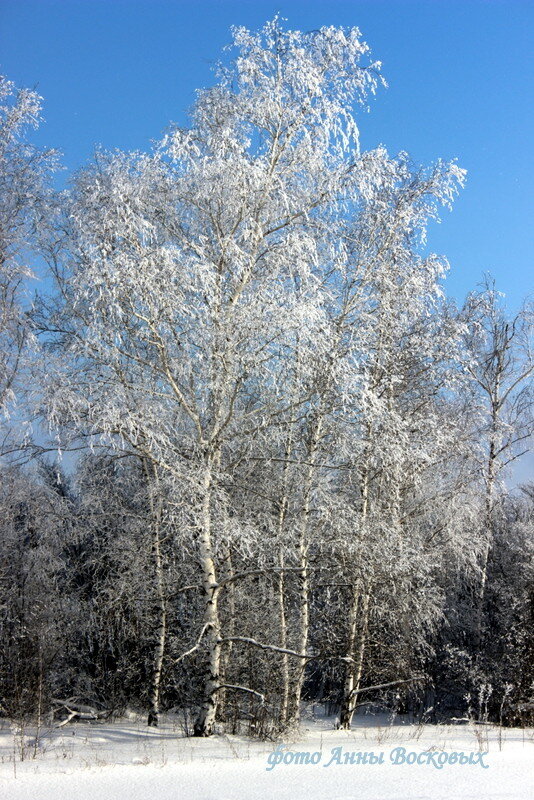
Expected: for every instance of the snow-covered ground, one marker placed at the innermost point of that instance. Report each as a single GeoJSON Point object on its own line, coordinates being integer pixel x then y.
{"type": "Point", "coordinates": [125, 760]}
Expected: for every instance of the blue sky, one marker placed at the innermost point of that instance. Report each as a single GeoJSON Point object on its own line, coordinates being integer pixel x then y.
{"type": "Point", "coordinates": [460, 79]}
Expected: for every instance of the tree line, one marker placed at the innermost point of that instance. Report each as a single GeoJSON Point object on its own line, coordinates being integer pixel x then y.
{"type": "Point", "coordinates": [286, 447]}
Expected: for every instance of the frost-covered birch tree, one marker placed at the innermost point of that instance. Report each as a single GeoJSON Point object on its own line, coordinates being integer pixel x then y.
{"type": "Point", "coordinates": [24, 213]}
{"type": "Point", "coordinates": [401, 345]}
{"type": "Point", "coordinates": [499, 360]}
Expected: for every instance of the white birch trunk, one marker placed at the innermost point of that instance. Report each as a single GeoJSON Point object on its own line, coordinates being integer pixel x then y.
{"type": "Point", "coordinates": [359, 613]}
{"type": "Point", "coordinates": [227, 648]}
{"type": "Point", "coordinates": [359, 607]}
{"type": "Point", "coordinates": [284, 702]}
{"type": "Point", "coordinates": [205, 722]}
{"type": "Point", "coordinates": [154, 698]}
{"type": "Point", "coordinates": [302, 575]}
{"type": "Point", "coordinates": [161, 607]}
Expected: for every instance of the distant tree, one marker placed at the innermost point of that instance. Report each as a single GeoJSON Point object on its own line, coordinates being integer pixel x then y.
{"type": "Point", "coordinates": [499, 358]}
{"type": "Point", "coordinates": [25, 201]}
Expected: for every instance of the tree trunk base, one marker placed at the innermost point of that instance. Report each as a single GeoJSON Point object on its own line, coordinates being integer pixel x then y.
{"type": "Point", "coordinates": [346, 713]}
{"type": "Point", "coordinates": [201, 730]}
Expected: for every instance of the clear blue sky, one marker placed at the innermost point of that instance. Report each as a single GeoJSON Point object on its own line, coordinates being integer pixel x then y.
{"type": "Point", "coordinates": [460, 79]}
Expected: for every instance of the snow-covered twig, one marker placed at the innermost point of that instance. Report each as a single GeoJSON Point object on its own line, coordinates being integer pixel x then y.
{"type": "Point", "coordinates": [242, 689]}
{"type": "Point", "coordinates": [385, 685]}
{"type": "Point", "coordinates": [195, 646]}
{"type": "Point", "coordinates": [264, 646]}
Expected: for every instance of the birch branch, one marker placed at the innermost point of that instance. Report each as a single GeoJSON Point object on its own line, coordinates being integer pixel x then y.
{"type": "Point", "coordinates": [195, 646]}
{"type": "Point", "coordinates": [241, 689]}
{"type": "Point", "coordinates": [263, 646]}
{"type": "Point", "coordinates": [385, 685]}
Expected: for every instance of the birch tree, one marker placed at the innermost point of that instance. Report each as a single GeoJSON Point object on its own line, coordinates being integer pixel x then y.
{"type": "Point", "coordinates": [398, 359]}
{"type": "Point", "coordinates": [25, 203]}
{"type": "Point", "coordinates": [499, 359]}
